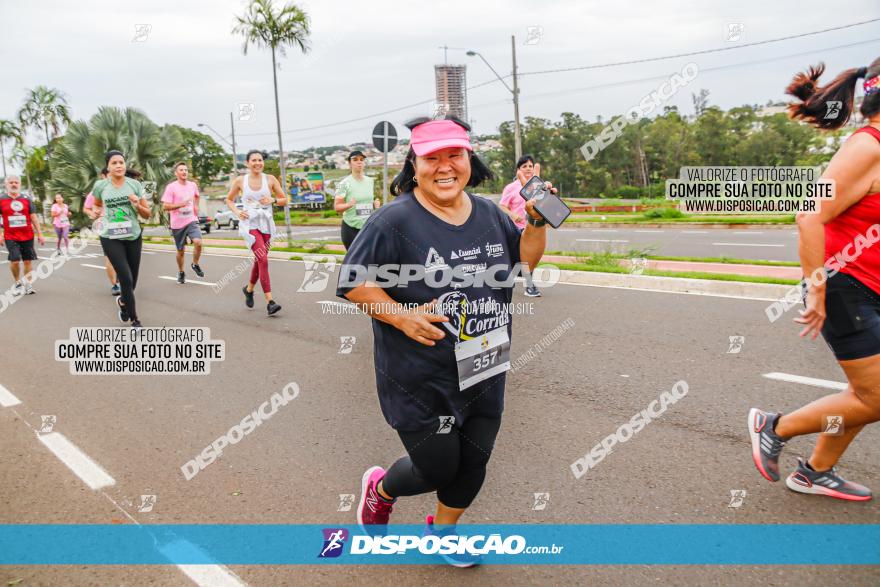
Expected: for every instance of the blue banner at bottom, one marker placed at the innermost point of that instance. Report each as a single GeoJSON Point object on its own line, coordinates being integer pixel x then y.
{"type": "Point", "coordinates": [518, 544]}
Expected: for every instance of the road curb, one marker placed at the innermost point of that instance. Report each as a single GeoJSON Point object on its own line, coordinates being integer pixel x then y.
{"type": "Point", "coordinates": [737, 289]}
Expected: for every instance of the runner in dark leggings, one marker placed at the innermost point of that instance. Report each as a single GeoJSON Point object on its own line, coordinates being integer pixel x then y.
{"type": "Point", "coordinates": [122, 197]}
{"type": "Point", "coordinates": [841, 260]}
{"type": "Point", "coordinates": [442, 345]}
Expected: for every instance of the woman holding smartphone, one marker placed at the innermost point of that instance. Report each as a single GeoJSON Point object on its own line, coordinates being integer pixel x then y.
{"type": "Point", "coordinates": [441, 348]}
{"type": "Point", "coordinates": [514, 205]}
{"type": "Point", "coordinates": [121, 198]}
{"type": "Point", "coordinates": [843, 299]}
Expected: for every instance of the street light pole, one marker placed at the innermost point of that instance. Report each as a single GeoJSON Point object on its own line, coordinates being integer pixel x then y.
{"type": "Point", "coordinates": [517, 132]}
{"type": "Point", "coordinates": [234, 161]}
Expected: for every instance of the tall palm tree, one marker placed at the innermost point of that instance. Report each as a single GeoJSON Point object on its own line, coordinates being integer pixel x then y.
{"type": "Point", "coordinates": [79, 155]}
{"type": "Point", "coordinates": [44, 108]}
{"type": "Point", "coordinates": [265, 26]}
{"type": "Point", "coordinates": [8, 130]}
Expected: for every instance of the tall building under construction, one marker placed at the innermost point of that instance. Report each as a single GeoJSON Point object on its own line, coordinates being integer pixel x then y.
{"type": "Point", "coordinates": [451, 82]}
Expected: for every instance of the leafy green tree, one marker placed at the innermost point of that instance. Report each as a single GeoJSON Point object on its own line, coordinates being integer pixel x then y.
{"type": "Point", "coordinates": [205, 156]}
{"type": "Point", "coordinates": [79, 155]}
{"type": "Point", "coordinates": [44, 108]}
{"type": "Point", "coordinates": [8, 131]}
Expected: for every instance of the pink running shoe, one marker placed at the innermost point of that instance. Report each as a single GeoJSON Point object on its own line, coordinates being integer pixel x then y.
{"type": "Point", "coordinates": [373, 510]}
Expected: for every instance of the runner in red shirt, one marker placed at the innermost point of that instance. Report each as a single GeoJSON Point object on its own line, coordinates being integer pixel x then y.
{"type": "Point", "coordinates": [20, 222]}
{"type": "Point", "coordinates": [840, 256]}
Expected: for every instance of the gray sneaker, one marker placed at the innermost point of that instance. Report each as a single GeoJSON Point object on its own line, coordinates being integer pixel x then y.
{"type": "Point", "coordinates": [766, 445]}
{"type": "Point", "coordinates": [806, 480]}
{"type": "Point", "coordinates": [28, 289]}
{"type": "Point", "coordinates": [532, 292]}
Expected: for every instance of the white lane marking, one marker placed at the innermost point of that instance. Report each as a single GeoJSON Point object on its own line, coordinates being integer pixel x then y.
{"type": "Point", "coordinates": [604, 230]}
{"type": "Point", "coordinates": [211, 576]}
{"type": "Point", "coordinates": [694, 232]}
{"type": "Point", "coordinates": [92, 266]}
{"type": "Point", "coordinates": [76, 460]}
{"type": "Point", "coordinates": [600, 240]}
{"type": "Point", "coordinates": [44, 258]}
{"type": "Point", "coordinates": [654, 231]}
{"type": "Point", "coordinates": [747, 232]}
{"type": "Point", "coordinates": [746, 245]}
{"type": "Point", "coordinates": [566, 230]}
{"type": "Point", "coordinates": [148, 252]}
{"type": "Point", "coordinates": [806, 380]}
{"type": "Point", "coordinates": [43, 249]}
{"type": "Point", "coordinates": [188, 280]}
{"type": "Point", "coordinates": [7, 399]}
{"type": "Point", "coordinates": [203, 575]}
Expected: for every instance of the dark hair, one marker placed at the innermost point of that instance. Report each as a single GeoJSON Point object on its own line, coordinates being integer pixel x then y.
{"type": "Point", "coordinates": [133, 174]}
{"type": "Point", "coordinates": [813, 97]}
{"type": "Point", "coordinates": [110, 155]}
{"type": "Point", "coordinates": [104, 171]}
{"type": "Point", "coordinates": [523, 160]}
{"type": "Point", "coordinates": [405, 180]}
{"type": "Point", "coordinates": [252, 152]}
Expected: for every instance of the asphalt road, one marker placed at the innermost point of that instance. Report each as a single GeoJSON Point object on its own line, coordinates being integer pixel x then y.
{"type": "Point", "coordinates": [761, 243]}
{"type": "Point", "coordinates": [625, 349]}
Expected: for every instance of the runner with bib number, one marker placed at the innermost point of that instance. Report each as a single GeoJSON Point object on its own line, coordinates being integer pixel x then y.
{"type": "Point", "coordinates": [354, 198]}
{"type": "Point", "coordinates": [122, 200]}
{"type": "Point", "coordinates": [442, 342]}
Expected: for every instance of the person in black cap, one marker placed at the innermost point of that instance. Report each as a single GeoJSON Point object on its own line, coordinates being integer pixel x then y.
{"type": "Point", "coordinates": [354, 198]}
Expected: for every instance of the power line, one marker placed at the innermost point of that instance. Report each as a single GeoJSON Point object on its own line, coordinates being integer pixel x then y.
{"type": "Point", "coordinates": [665, 77]}
{"type": "Point", "coordinates": [586, 67]}
{"type": "Point", "coordinates": [703, 52]}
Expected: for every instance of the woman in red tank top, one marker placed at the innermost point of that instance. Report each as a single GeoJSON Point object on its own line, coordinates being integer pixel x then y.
{"type": "Point", "coordinates": [841, 259]}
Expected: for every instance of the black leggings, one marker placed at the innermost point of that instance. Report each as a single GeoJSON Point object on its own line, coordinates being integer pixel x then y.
{"type": "Point", "coordinates": [453, 464]}
{"type": "Point", "coordinates": [125, 256]}
{"type": "Point", "coordinates": [348, 234]}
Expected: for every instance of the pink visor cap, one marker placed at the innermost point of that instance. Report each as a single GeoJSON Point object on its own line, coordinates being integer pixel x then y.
{"type": "Point", "coordinates": [438, 134]}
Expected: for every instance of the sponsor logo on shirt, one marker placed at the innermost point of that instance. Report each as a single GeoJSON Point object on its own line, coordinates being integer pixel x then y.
{"type": "Point", "coordinates": [467, 255]}
{"type": "Point", "coordinates": [460, 310]}
{"type": "Point", "coordinates": [494, 250]}
{"type": "Point", "coordinates": [16, 206]}
{"type": "Point", "coordinates": [435, 262]}
{"type": "Point", "coordinates": [470, 268]}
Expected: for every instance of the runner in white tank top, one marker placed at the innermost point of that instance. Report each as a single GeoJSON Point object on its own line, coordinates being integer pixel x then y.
{"type": "Point", "coordinates": [256, 225]}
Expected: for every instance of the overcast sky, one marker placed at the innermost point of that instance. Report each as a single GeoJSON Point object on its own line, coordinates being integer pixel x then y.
{"type": "Point", "coordinates": [370, 57]}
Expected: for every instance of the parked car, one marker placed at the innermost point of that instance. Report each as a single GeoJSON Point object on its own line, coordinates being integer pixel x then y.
{"type": "Point", "coordinates": [205, 224]}
{"type": "Point", "coordinates": [227, 217]}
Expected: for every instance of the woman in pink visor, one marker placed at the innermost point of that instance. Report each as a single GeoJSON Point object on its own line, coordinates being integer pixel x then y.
{"type": "Point", "coordinates": [444, 262]}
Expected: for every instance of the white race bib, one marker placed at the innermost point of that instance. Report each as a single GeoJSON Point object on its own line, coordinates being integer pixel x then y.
{"type": "Point", "coordinates": [119, 229]}
{"type": "Point", "coordinates": [18, 221]}
{"type": "Point", "coordinates": [482, 357]}
{"type": "Point", "coordinates": [63, 221]}
{"type": "Point", "coordinates": [364, 209]}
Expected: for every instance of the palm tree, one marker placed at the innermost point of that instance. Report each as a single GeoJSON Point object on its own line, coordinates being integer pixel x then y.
{"type": "Point", "coordinates": [79, 155]}
{"type": "Point", "coordinates": [264, 26]}
{"type": "Point", "coordinates": [8, 130]}
{"type": "Point", "coordinates": [44, 108]}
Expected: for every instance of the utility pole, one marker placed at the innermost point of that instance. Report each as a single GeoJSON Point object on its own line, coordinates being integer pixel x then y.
{"type": "Point", "coordinates": [234, 162]}
{"type": "Point", "coordinates": [517, 133]}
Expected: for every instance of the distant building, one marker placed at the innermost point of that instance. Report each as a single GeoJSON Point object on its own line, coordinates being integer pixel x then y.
{"type": "Point", "coordinates": [451, 90]}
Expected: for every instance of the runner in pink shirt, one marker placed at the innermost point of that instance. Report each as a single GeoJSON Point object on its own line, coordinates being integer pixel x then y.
{"type": "Point", "coordinates": [515, 206]}
{"type": "Point", "coordinates": [61, 222]}
{"type": "Point", "coordinates": [181, 200]}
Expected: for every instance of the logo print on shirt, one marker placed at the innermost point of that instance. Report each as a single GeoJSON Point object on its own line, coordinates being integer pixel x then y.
{"type": "Point", "coordinates": [16, 206]}
{"type": "Point", "coordinates": [435, 262]}
{"type": "Point", "coordinates": [494, 250]}
{"type": "Point", "coordinates": [446, 423]}
{"type": "Point", "coordinates": [454, 305]}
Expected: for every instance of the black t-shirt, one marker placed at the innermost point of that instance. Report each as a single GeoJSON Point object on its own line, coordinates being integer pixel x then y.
{"type": "Point", "coordinates": [418, 384]}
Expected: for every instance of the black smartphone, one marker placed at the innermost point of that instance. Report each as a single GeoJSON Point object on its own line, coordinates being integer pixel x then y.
{"type": "Point", "coordinates": [547, 204]}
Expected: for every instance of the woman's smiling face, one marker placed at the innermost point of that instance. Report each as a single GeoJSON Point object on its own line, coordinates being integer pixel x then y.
{"type": "Point", "coordinates": [443, 175]}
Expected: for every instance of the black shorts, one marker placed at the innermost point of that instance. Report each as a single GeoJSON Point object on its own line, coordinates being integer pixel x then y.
{"type": "Point", "coordinates": [191, 230]}
{"type": "Point", "coordinates": [348, 234]}
{"type": "Point", "coordinates": [852, 318]}
{"type": "Point", "coordinates": [21, 250]}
